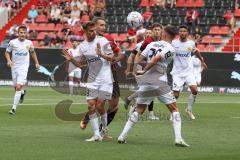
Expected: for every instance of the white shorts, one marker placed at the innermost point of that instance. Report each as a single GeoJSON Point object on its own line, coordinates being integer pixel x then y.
{"type": "Point", "coordinates": [19, 76]}
{"type": "Point", "coordinates": [179, 81]}
{"type": "Point", "coordinates": [198, 78]}
{"type": "Point", "coordinates": [75, 73]}
{"type": "Point", "coordinates": [99, 91]}
{"type": "Point", "coordinates": [167, 98]}
{"type": "Point", "coordinates": [147, 93]}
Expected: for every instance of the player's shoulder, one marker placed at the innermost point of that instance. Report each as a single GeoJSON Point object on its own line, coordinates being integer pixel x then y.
{"type": "Point", "coordinates": [13, 41]}
{"type": "Point", "coordinates": [175, 41]}
{"type": "Point", "coordinates": [190, 41]}
{"type": "Point", "coordinates": [28, 41]}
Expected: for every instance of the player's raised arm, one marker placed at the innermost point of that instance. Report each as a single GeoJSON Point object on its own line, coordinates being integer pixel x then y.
{"type": "Point", "coordinates": [68, 57]}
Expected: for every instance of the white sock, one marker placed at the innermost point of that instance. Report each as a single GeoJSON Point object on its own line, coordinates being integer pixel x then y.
{"type": "Point", "coordinates": [22, 91]}
{"type": "Point", "coordinates": [104, 120]}
{"type": "Point", "coordinates": [177, 125]}
{"type": "Point", "coordinates": [71, 87]}
{"type": "Point", "coordinates": [151, 113]}
{"type": "Point", "coordinates": [191, 101]}
{"type": "Point", "coordinates": [132, 96]}
{"type": "Point", "coordinates": [130, 123]}
{"type": "Point", "coordinates": [16, 99]}
{"type": "Point", "coordinates": [94, 123]}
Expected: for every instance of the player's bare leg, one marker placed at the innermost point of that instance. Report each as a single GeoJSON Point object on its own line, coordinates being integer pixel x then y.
{"type": "Point", "coordinates": [191, 101]}
{"type": "Point", "coordinates": [131, 122]}
{"type": "Point", "coordinates": [176, 120]}
{"type": "Point", "coordinates": [71, 84]}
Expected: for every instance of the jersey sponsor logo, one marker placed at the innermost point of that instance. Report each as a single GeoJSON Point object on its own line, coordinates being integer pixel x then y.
{"type": "Point", "coordinates": [183, 55]}
{"type": "Point", "coordinates": [90, 60]}
{"type": "Point", "coordinates": [27, 47]}
{"type": "Point", "coordinates": [21, 54]}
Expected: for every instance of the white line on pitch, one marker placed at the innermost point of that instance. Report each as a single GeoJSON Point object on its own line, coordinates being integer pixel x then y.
{"type": "Point", "coordinates": [235, 117]}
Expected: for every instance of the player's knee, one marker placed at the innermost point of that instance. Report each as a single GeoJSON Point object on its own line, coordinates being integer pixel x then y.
{"type": "Point", "coordinates": [194, 92]}
{"type": "Point", "coordinates": [18, 87]}
{"type": "Point", "coordinates": [134, 117]}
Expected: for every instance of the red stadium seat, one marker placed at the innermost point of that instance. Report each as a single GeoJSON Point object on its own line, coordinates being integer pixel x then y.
{"type": "Point", "coordinates": [201, 47]}
{"type": "Point", "coordinates": [144, 3]}
{"type": "Point", "coordinates": [227, 49]}
{"type": "Point", "coordinates": [217, 39]}
{"type": "Point", "coordinates": [237, 13]}
{"type": "Point", "coordinates": [35, 44]}
{"type": "Point", "coordinates": [114, 36]}
{"type": "Point", "coordinates": [59, 26]}
{"type": "Point", "coordinates": [214, 30]}
{"type": "Point", "coordinates": [199, 3]}
{"type": "Point", "coordinates": [41, 35]}
{"type": "Point", "coordinates": [122, 37]}
{"type": "Point", "coordinates": [224, 30]}
{"type": "Point", "coordinates": [180, 3]}
{"type": "Point", "coordinates": [207, 39]}
{"type": "Point", "coordinates": [42, 27]}
{"type": "Point", "coordinates": [32, 26]}
{"type": "Point", "coordinates": [190, 3]}
{"type": "Point", "coordinates": [209, 48]}
{"type": "Point", "coordinates": [51, 27]}
{"type": "Point", "coordinates": [41, 19]}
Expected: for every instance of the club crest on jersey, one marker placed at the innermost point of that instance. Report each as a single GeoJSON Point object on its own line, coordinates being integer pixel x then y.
{"type": "Point", "coordinates": [27, 47]}
{"type": "Point", "coordinates": [189, 49]}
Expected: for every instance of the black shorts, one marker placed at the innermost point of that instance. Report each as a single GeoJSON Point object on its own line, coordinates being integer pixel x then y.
{"type": "Point", "coordinates": [116, 90]}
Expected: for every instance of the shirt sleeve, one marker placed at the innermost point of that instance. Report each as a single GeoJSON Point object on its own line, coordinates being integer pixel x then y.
{"type": "Point", "coordinates": [31, 48]}
{"type": "Point", "coordinates": [193, 47]}
{"type": "Point", "coordinates": [9, 47]}
{"type": "Point", "coordinates": [146, 51]}
{"type": "Point", "coordinates": [164, 53]}
{"type": "Point", "coordinates": [106, 47]}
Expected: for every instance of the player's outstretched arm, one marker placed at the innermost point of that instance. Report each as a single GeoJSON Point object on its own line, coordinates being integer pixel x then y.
{"type": "Point", "coordinates": [149, 65]}
{"type": "Point", "coordinates": [68, 57]}
{"type": "Point", "coordinates": [35, 59]}
{"type": "Point", "coordinates": [111, 58]}
{"type": "Point", "coordinates": [130, 63]}
{"type": "Point", "coordinates": [8, 58]}
{"type": "Point", "coordinates": [198, 54]}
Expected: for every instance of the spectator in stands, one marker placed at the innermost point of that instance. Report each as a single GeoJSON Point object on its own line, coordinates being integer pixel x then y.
{"type": "Point", "coordinates": [46, 40]}
{"type": "Point", "coordinates": [99, 8]}
{"type": "Point", "coordinates": [160, 3]}
{"type": "Point", "coordinates": [32, 14]}
{"type": "Point", "coordinates": [75, 16]}
{"type": "Point", "coordinates": [197, 35]}
{"type": "Point", "coordinates": [66, 31]}
{"type": "Point", "coordinates": [147, 16]}
{"type": "Point", "coordinates": [75, 3]}
{"type": "Point", "coordinates": [83, 6]}
{"type": "Point", "coordinates": [63, 4]}
{"type": "Point", "coordinates": [170, 3]}
{"type": "Point", "coordinates": [85, 18]}
{"type": "Point", "coordinates": [77, 32]}
{"type": "Point", "coordinates": [12, 32]}
{"type": "Point", "coordinates": [230, 19]}
{"type": "Point", "coordinates": [55, 14]}
{"type": "Point", "coordinates": [66, 14]}
{"type": "Point", "coordinates": [191, 18]}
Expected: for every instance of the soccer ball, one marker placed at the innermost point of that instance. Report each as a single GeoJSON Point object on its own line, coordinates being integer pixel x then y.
{"type": "Point", "coordinates": [134, 19]}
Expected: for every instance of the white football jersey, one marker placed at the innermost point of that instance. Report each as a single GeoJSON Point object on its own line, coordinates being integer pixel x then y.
{"type": "Point", "coordinates": [99, 68]}
{"type": "Point", "coordinates": [75, 53]}
{"type": "Point", "coordinates": [196, 64]}
{"type": "Point", "coordinates": [182, 63]}
{"type": "Point", "coordinates": [138, 46]}
{"type": "Point", "coordinates": [166, 52]}
{"type": "Point", "coordinates": [20, 52]}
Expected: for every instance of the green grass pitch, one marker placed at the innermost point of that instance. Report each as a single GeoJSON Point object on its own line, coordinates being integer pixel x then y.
{"type": "Point", "coordinates": [36, 134]}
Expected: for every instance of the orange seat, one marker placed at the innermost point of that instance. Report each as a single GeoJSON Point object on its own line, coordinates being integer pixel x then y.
{"type": "Point", "coordinates": [209, 48]}
{"type": "Point", "coordinates": [59, 26]}
{"type": "Point", "coordinates": [199, 3]}
{"type": "Point", "coordinates": [224, 30]}
{"type": "Point", "coordinates": [180, 3]}
{"type": "Point", "coordinates": [190, 3]}
{"type": "Point", "coordinates": [207, 39]}
{"type": "Point", "coordinates": [41, 19]}
{"type": "Point", "coordinates": [41, 35]}
{"type": "Point", "coordinates": [214, 30]}
{"type": "Point", "coordinates": [144, 3]}
{"type": "Point", "coordinates": [237, 13]}
{"type": "Point", "coordinates": [201, 47]}
{"type": "Point", "coordinates": [51, 27]}
{"type": "Point", "coordinates": [217, 39]}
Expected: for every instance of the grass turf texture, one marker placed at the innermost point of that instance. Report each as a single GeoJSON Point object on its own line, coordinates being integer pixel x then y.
{"type": "Point", "coordinates": [36, 133]}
